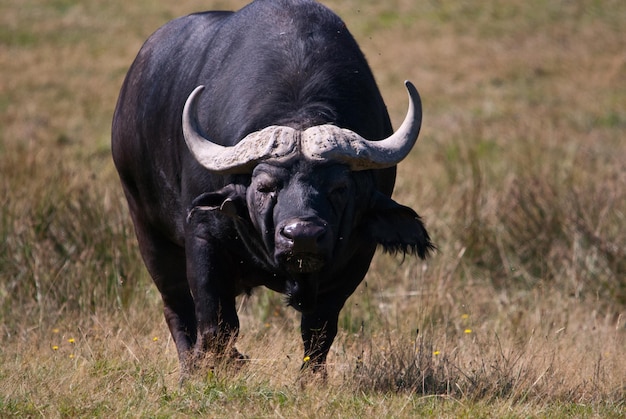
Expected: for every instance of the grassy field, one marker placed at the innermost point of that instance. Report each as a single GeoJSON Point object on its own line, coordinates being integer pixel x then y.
{"type": "Point", "coordinates": [520, 174]}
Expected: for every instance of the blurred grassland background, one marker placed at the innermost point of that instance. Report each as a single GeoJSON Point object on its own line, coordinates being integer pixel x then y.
{"type": "Point", "coordinates": [519, 173]}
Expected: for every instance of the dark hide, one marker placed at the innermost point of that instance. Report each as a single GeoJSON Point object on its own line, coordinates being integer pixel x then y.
{"type": "Point", "coordinates": [306, 230]}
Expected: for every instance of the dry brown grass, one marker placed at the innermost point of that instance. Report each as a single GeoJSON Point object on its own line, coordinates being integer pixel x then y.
{"type": "Point", "coordinates": [519, 174]}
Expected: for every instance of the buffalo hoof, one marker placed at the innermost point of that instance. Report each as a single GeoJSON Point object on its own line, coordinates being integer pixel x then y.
{"type": "Point", "coordinates": [312, 374]}
{"type": "Point", "coordinates": [236, 358]}
{"type": "Point", "coordinates": [202, 362]}
{"type": "Point", "coordinates": [307, 379]}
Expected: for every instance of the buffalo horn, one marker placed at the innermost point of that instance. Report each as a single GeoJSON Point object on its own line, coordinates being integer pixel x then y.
{"type": "Point", "coordinates": [322, 143]}
{"type": "Point", "coordinates": [331, 143]}
{"type": "Point", "coordinates": [272, 142]}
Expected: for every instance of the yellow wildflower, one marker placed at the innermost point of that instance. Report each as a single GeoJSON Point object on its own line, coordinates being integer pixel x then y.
{"type": "Point", "coordinates": [436, 353]}
{"type": "Point", "coordinates": [154, 339]}
{"type": "Point", "coordinates": [55, 348]}
{"type": "Point", "coordinates": [467, 331]}
{"type": "Point", "coordinates": [71, 340]}
{"type": "Point", "coordinates": [306, 359]}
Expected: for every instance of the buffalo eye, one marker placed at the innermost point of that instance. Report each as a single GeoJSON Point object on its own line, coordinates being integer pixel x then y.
{"type": "Point", "coordinates": [338, 188]}
{"type": "Point", "coordinates": [266, 188]}
{"type": "Point", "coordinates": [266, 183]}
{"type": "Point", "coordinates": [337, 194]}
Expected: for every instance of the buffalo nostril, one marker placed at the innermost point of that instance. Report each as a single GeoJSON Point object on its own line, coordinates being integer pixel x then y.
{"type": "Point", "coordinates": [304, 236]}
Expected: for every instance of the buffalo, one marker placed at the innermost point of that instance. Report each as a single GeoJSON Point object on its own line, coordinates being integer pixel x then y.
{"type": "Point", "coordinates": [254, 149]}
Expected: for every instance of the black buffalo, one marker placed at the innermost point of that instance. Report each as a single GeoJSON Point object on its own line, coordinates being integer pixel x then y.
{"type": "Point", "coordinates": [254, 148]}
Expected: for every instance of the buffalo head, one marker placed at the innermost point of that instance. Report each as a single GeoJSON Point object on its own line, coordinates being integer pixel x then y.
{"type": "Point", "coordinates": [311, 195]}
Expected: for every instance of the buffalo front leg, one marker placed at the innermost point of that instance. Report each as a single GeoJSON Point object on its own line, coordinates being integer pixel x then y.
{"type": "Point", "coordinates": [211, 278]}
{"type": "Point", "coordinates": [319, 329]}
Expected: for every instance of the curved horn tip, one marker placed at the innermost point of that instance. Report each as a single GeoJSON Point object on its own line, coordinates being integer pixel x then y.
{"type": "Point", "coordinates": [412, 89]}
{"type": "Point", "coordinates": [196, 91]}
{"type": "Point", "coordinates": [190, 103]}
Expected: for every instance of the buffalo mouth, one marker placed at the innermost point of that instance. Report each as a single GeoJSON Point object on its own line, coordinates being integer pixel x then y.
{"type": "Point", "coordinates": [301, 263]}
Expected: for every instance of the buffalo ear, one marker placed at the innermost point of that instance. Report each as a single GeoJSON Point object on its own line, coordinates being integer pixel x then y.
{"type": "Point", "coordinates": [230, 201]}
{"type": "Point", "coordinates": [398, 229]}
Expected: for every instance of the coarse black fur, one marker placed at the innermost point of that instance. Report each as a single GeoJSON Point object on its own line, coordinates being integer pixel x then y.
{"type": "Point", "coordinates": [306, 230]}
